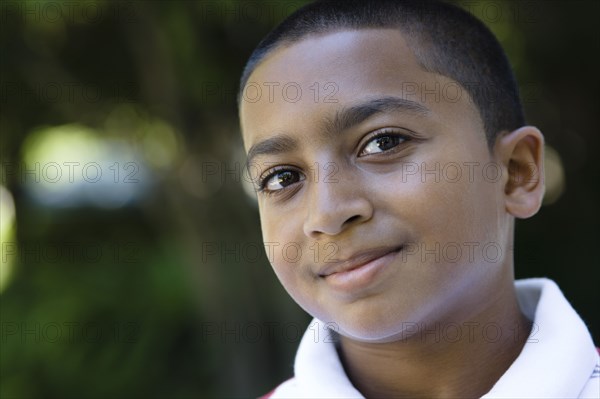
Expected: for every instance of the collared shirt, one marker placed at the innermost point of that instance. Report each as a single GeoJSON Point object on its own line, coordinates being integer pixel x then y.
{"type": "Point", "coordinates": [559, 359]}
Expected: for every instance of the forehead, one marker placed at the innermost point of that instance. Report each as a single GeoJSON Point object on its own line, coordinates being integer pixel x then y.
{"type": "Point", "coordinates": [312, 79]}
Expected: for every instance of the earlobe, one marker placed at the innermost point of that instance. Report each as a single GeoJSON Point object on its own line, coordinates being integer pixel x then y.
{"type": "Point", "coordinates": [522, 155]}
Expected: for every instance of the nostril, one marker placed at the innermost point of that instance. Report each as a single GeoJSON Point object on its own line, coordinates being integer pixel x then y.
{"type": "Point", "coordinates": [352, 219]}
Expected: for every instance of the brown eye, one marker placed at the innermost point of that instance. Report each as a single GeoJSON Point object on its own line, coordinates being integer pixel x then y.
{"type": "Point", "coordinates": [382, 143]}
{"type": "Point", "coordinates": [280, 179]}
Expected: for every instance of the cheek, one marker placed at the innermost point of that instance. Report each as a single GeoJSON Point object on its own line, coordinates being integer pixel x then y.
{"type": "Point", "coordinates": [299, 283]}
{"type": "Point", "coordinates": [292, 257]}
{"type": "Point", "coordinates": [441, 207]}
{"type": "Point", "coordinates": [284, 245]}
{"type": "Point", "coordinates": [282, 234]}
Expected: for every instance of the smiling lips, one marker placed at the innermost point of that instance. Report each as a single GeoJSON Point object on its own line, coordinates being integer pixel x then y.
{"type": "Point", "coordinates": [360, 269]}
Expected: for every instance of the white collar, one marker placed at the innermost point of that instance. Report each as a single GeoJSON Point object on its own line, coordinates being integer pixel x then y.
{"type": "Point", "coordinates": [559, 355]}
{"type": "Point", "coordinates": [557, 361]}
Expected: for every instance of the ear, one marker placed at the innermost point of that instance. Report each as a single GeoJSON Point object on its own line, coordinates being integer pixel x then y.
{"type": "Point", "coordinates": [521, 153]}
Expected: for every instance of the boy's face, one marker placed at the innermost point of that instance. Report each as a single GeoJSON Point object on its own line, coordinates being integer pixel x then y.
{"type": "Point", "coordinates": [377, 164]}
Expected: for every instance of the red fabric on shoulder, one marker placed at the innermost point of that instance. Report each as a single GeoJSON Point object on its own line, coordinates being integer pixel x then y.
{"type": "Point", "coordinates": [598, 349]}
{"type": "Point", "coordinates": [267, 395]}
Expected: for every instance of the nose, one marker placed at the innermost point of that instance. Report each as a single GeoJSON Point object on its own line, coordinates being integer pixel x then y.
{"type": "Point", "coordinates": [335, 206]}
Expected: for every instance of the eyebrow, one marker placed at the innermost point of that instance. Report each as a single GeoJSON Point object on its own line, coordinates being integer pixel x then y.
{"type": "Point", "coordinates": [279, 144]}
{"type": "Point", "coordinates": [344, 119]}
{"type": "Point", "coordinates": [354, 115]}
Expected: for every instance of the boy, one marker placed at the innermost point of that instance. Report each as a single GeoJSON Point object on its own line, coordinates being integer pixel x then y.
{"type": "Point", "coordinates": [391, 155]}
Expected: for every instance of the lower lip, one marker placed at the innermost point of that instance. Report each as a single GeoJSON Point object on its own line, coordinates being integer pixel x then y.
{"type": "Point", "coordinates": [361, 277]}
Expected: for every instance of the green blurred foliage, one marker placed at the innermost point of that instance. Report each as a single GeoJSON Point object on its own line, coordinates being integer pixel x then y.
{"type": "Point", "coordinates": [152, 299]}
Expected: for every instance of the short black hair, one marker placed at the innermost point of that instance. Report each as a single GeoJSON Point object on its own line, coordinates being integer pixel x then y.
{"type": "Point", "coordinates": [445, 39]}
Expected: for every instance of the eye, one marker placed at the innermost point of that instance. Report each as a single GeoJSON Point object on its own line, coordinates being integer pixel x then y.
{"type": "Point", "coordinates": [280, 179]}
{"type": "Point", "coordinates": [382, 142]}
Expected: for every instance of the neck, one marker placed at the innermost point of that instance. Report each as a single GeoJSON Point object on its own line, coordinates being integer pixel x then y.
{"type": "Point", "coordinates": [456, 357]}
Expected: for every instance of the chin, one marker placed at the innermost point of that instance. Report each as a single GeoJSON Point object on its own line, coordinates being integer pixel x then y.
{"type": "Point", "coordinates": [370, 327]}
{"type": "Point", "coordinates": [378, 323]}
{"type": "Point", "coordinates": [374, 333]}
